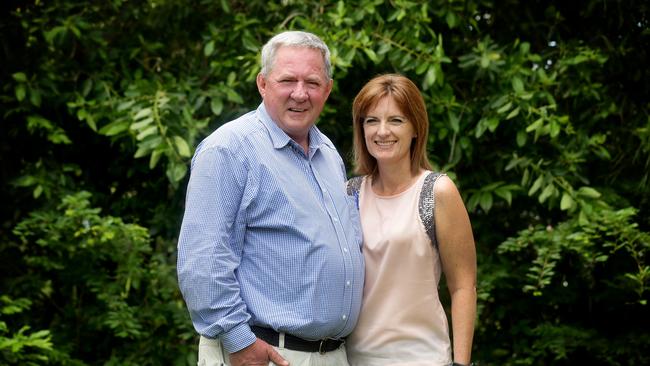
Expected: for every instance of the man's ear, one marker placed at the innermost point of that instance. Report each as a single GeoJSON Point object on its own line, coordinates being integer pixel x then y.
{"type": "Point", "coordinates": [330, 85]}
{"type": "Point", "coordinates": [261, 84]}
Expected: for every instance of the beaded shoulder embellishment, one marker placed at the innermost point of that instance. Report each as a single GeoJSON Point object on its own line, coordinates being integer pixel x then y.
{"type": "Point", "coordinates": [426, 206]}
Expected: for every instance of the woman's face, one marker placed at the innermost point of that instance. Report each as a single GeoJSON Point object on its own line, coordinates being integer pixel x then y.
{"type": "Point", "coordinates": [388, 133]}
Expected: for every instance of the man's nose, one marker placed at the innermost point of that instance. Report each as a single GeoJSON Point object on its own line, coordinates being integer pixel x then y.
{"type": "Point", "coordinates": [299, 93]}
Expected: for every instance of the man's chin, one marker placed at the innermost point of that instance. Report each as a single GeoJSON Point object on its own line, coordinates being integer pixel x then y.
{"type": "Point", "coordinates": [300, 121]}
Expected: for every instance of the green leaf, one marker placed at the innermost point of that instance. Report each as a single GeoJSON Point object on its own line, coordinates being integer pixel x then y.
{"type": "Point", "coordinates": [588, 192]}
{"type": "Point", "coordinates": [20, 92]}
{"type": "Point", "coordinates": [176, 172]}
{"type": "Point", "coordinates": [144, 112]}
{"type": "Point", "coordinates": [141, 124]}
{"type": "Point", "coordinates": [602, 258]}
{"type": "Point", "coordinates": [35, 97]}
{"type": "Point", "coordinates": [147, 132]}
{"type": "Point", "coordinates": [546, 193]}
{"type": "Point", "coordinates": [422, 67]}
{"type": "Point", "coordinates": [492, 124]}
{"type": "Point", "coordinates": [155, 157]}
{"type": "Point", "coordinates": [554, 128]}
{"type": "Point", "coordinates": [524, 177]}
{"type": "Point", "coordinates": [454, 121]}
{"type": "Point", "coordinates": [473, 201]}
{"type": "Point", "coordinates": [535, 125]}
{"type": "Point", "coordinates": [485, 62]}
{"type": "Point", "coordinates": [142, 151]}
{"type": "Point", "coordinates": [486, 201]}
{"type": "Point", "coordinates": [37, 191]}
{"type": "Point", "coordinates": [20, 77]}
{"type": "Point", "coordinates": [58, 136]}
{"type": "Point", "coordinates": [526, 96]}
{"type": "Point", "coordinates": [87, 86]}
{"type": "Point", "coordinates": [451, 19]}
{"type": "Point", "coordinates": [25, 181]}
{"type": "Point", "coordinates": [250, 43]}
{"type": "Point", "coordinates": [504, 193]}
{"type": "Point", "coordinates": [521, 138]}
{"type": "Point", "coordinates": [208, 49]}
{"type": "Point", "coordinates": [216, 105]}
{"type": "Point", "coordinates": [125, 105]}
{"type": "Point", "coordinates": [53, 33]}
{"type": "Point", "coordinates": [499, 102]}
{"type": "Point", "coordinates": [151, 142]}
{"type": "Point", "coordinates": [182, 147]}
{"type": "Point", "coordinates": [513, 113]}
{"type": "Point", "coordinates": [567, 202]}
{"type": "Point", "coordinates": [481, 127]}
{"type": "Point", "coordinates": [582, 218]}
{"type": "Point", "coordinates": [232, 77]}
{"type": "Point", "coordinates": [225, 6]}
{"type": "Point", "coordinates": [517, 85]}
{"type": "Point", "coordinates": [430, 77]}
{"type": "Point", "coordinates": [536, 185]}
{"type": "Point", "coordinates": [233, 96]}
{"type": "Point", "coordinates": [38, 122]}
{"type": "Point", "coordinates": [114, 128]}
{"type": "Point", "coordinates": [505, 108]}
{"type": "Point", "coordinates": [371, 55]}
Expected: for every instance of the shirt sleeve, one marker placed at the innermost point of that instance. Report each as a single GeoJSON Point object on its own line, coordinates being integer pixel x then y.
{"type": "Point", "coordinates": [210, 247]}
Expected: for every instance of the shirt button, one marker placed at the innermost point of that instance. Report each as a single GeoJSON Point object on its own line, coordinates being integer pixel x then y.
{"type": "Point", "coordinates": [345, 250]}
{"type": "Point", "coordinates": [347, 284]}
{"type": "Point", "coordinates": [344, 317]}
{"type": "Point", "coordinates": [335, 219]}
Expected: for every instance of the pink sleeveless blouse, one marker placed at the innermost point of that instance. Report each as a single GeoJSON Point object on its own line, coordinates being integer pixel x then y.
{"type": "Point", "coordinates": [402, 321]}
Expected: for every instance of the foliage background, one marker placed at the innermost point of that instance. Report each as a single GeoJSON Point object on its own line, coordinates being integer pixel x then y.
{"type": "Point", "coordinates": [538, 110]}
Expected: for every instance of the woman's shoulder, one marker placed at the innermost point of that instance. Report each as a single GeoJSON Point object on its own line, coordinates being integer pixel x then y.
{"type": "Point", "coordinates": [442, 189]}
{"type": "Point", "coordinates": [439, 186]}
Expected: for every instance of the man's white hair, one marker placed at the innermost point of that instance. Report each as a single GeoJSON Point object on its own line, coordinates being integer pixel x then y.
{"type": "Point", "coordinates": [294, 39]}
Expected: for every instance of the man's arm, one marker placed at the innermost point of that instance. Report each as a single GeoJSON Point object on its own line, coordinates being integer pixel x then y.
{"type": "Point", "coordinates": [209, 251]}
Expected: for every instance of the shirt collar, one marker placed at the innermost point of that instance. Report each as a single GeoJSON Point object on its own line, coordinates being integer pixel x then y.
{"type": "Point", "coordinates": [280, 139]}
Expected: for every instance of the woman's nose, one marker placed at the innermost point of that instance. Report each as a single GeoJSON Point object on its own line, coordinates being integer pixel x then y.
{"type": "Point", "coordinates": [382, 129]}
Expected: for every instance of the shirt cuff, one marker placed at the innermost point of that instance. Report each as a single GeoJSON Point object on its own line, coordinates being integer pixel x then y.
{"type": "Point", "coordinates": [238, 338]}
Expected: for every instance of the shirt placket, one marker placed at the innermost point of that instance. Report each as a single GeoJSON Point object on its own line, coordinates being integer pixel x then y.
{"type": "Point", "coordinates": [332, 210]}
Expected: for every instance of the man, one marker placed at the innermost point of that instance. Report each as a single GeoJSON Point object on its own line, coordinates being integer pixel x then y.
{"type": "Point", "coordinates": [269, 254]}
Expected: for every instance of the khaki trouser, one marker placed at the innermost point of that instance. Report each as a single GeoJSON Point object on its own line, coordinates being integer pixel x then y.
{"type": "Point", "coordinates": [212, 353]}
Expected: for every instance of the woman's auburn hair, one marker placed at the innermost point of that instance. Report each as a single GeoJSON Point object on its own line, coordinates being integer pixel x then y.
{"type": "Point", "coordinates": [410, 102]}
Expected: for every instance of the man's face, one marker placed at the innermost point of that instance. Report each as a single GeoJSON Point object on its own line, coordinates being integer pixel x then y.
{"type": "Point", "coordinates": [295, 90]}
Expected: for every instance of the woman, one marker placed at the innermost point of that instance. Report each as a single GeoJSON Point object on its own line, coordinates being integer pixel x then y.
{"type": "Point", "coordinates": [415, 226]}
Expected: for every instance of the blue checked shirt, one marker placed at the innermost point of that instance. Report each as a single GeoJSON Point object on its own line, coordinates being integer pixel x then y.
{"type": "Point", "coordinates": [269, 236]}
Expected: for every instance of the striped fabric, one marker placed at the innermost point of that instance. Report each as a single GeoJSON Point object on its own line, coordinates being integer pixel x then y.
{"type": "Point", "coordinates": [269, 236]}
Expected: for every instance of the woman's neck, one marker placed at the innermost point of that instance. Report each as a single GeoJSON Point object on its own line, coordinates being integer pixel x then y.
{"type": "Point", "coordinates": [393, 179]}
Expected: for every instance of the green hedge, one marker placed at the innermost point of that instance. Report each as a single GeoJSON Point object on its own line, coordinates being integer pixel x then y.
{"type": "Point", "coordinates": [538, 110]}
